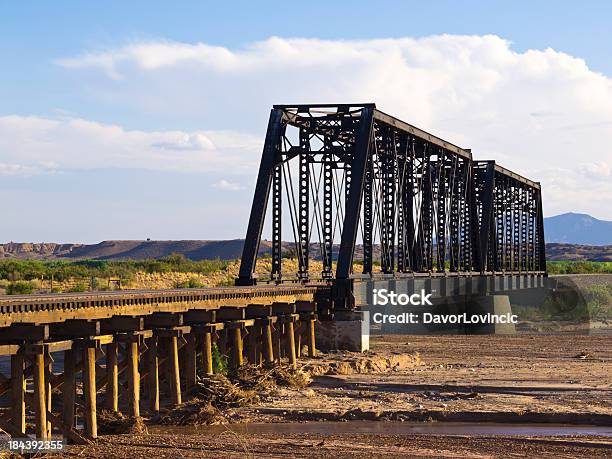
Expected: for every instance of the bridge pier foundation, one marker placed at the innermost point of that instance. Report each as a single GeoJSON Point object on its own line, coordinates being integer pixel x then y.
{"type": "Point", "coordinates": [348, 331]}
{"type": "Point", "coordinates": [498, 305]}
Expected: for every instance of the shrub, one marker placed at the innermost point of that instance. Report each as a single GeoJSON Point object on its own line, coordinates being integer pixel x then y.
{"type": "Point", "coordinates": [62, 270]}
{"type": "Point", "coordinates": [195, 283]}
{"type": "Point", "coordinates": [19, 288]}
{"type": "Point", "coordinates": [219, 361]}
{"type": "Point", "coordinates": [78, 287]}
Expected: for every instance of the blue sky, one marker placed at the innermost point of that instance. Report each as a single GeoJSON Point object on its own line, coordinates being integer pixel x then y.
{"type": "Point", "coordinates": [103, 107]}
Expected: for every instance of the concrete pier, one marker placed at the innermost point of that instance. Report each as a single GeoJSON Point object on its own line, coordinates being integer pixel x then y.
{"type": "Point", "coordinates": [346, 332]}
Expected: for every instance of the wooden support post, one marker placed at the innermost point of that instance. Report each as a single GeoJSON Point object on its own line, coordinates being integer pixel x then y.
{"type": "Point", "coordinates": [40, 398]}
{"type": "Point", "coordinates": [89, 391]}
{"type": "Point", "coordinates": [207, 351]}
{"type": "Point", "coordinates": [190, 362]}
{"type": "Point", "coordinates": [253, 350]}
{"type": "Point", "coordinates": [69, 388]}
{"type": "Point", "coordinates": [312, 350]}
{"type": "Point", "coordinates": [153, 375]}
{"type": "Point", "coordinates": [278, 336]}
{"type": "Point", "coordinates": [237, 345]}
{"type": "Point", "coordinates": [290, 343]}
{"type": "Point", "coordinates": [112, 377]}
{"type": "Point", "coordinates": [174, 371]}
{"type": "Point", "coordinates": [222, 341]}
{"type": "Point", "coordinates": [268, 344]}
{"type": "Point", "coordinates": [49, 389]}
{"type": "Point", "coordinates": [133, 377]}
{"type": "Point", "coordinates": [143, 370]}
{"type": "Point", "coordinates": [298, 339]}
{"type": "Point", "coordinates": [18, 392]}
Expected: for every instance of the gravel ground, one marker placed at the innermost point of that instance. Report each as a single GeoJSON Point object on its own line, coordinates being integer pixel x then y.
{"type": "Point", "coordinates": [467, 378]}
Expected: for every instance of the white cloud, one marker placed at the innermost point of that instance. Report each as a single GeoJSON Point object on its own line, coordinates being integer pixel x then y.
{"type": "Point", "coordinates": [227, 185]}
{"type": "Point", "coordinates": [596, 171]}
{"type": "Point", "coordinates": [18, 170]}
{"type": "Point", "coordinates": [540, 112]}
{"type": "Point", "coordinates": [31, 145]}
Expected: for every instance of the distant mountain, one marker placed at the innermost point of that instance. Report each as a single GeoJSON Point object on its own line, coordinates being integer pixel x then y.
{"type": "Point", "coordinates": [127, 250]}
{"type": "Point", "coordinates": [573, 228]}
{"type": "Point", "coordinates": [569, 236]}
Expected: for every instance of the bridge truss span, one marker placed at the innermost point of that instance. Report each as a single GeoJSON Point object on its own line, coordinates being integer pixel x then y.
{"type": "Point", "coordinates": [359, 193]}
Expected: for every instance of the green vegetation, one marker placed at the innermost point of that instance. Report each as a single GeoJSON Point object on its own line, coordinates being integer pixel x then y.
{"type": "Point", "coordinates": [219, 361]}
{"type": "Point", "coordinates": [599, 301]}
{"type": "Point", "coordinates": [191, 283]}
{"type": "Point", "coordinates": [80, 286]}
{"type": "Point", "coordinates": [579, 267]}
{"type": "Point", "coordinates": [16, 270]}
{"type": "Point", "coordinates": [19, 288]}
{"type": "Point", "coordinates": [591, 303]}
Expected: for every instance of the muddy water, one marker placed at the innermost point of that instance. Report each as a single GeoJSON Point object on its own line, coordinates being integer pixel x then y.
{"type": "Point", "coordinates": [393, 428]}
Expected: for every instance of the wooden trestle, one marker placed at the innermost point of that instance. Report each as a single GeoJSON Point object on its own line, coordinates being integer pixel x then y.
{"type": "Point", "coordinates": [136, 363]}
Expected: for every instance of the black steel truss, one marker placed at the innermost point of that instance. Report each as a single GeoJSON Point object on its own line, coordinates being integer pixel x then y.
{"type": "Point", "coordinates": [509, 210]}
{"type": "Point", "coordinates": [360, 185]}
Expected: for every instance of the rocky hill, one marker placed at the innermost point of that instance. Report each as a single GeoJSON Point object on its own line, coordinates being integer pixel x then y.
{"type": "Point", "coordinates": [126, 250]}
{"type": "Point", "coordinates": [225, 250]}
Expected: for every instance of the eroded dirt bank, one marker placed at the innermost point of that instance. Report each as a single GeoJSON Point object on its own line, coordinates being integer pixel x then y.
{"type": "Point", "coordinates": [565, 379]}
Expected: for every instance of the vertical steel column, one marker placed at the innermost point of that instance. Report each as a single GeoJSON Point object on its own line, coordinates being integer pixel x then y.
{"type": "Point", "coordinates": [408, 204]}
{"type": "Point", "coordinates": [516, 227]}
{"type": "Point", "coordinates": [277, 249]}
{"type": "Point", "coordinates": [456, 216]}
{"type": "Point", "coordinates": [304, 205]}
{"type": "Point", "coordinates": [427, 212]}
{"type": "Point", "coordinates": [524, 242]}
{"type": "Point", "coordinates": [541, 244]}
{"type": "Point", "coordinates": [507, 208]}
{"type": "Point", "coordinates": [368, 215]}
{"type": "Point", "coordinates": [260, 199]}
{"type": "Point", "coordinates": [328, 177]}
{"type": "Point", "coordinates": [470, 244]}
{"type": "Point", "coordinates": [531, 232]}
{"type": "Point", "coordinates": [401, 158]}
{"type": "Point", "coordinates": [420, 169]}
{"type": "Point", "coordinates": [387, 152]}
{"type": "Point", "coordinates": [441, 212]}
{"type": "Point", "coordinates": [353, 207]}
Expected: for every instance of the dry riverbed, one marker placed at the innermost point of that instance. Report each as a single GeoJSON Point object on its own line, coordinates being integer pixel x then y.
{"type": "Point", "coordinates": [415, 379]}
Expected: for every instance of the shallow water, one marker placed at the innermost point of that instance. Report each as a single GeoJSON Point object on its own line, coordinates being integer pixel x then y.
{"type": "Point", "coordinates": [393, 428]}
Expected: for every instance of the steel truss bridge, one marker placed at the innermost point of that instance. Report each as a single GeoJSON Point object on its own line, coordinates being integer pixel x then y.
{"type": "Point", "coordinates": [348, 178]}
{"type": "Point", "coordinates": [344, 186]}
